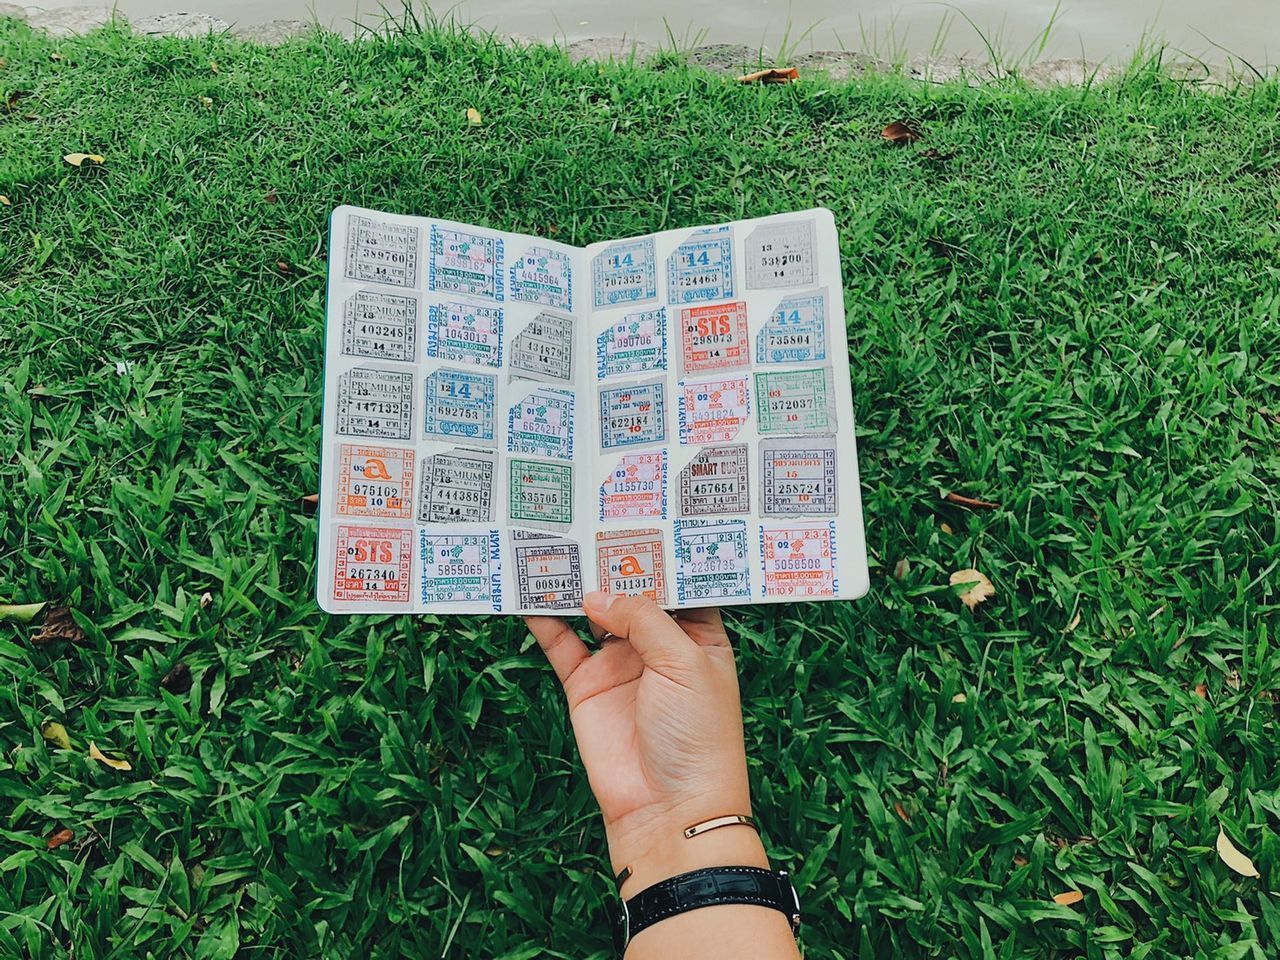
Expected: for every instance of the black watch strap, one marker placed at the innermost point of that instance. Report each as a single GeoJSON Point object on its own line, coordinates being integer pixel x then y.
{"type": "Point", "coordinates": [705, 888]}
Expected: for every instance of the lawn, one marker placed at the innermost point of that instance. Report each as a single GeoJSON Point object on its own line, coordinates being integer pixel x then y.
{"type": "Point", "coordinates": [1065, 302]}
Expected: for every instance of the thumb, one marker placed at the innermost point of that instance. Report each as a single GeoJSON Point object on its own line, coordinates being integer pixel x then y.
{"type": "Point", "coordinates": [650, 631]}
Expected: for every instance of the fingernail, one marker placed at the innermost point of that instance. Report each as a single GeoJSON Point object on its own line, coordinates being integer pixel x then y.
{"type": "Point", "coordinates": [597, 601]}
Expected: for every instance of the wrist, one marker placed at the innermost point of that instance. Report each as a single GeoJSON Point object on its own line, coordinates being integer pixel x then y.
{"type": "Point", "coordinates": [652, 846]}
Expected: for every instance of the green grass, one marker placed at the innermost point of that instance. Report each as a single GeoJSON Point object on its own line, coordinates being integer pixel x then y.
{"type": "Point", "coordinates": [1077, 315]}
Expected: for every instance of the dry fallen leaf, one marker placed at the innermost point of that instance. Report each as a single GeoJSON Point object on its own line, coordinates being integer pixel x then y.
{"type": "Point", "coordinates": [213, 65]}
{"type": "Point", "coordinates": [901, 568]}
{"type": "Point", "coordinates": [65, 835]}
{"type": "Point", "coordinates": [946, 528]}
{"type": "Point", "coordinates": [283, 266]}
{"type": "Point", "coordinates": [178, 679]}
{"type": "Point", "coordinates": [1202, 691]}
{"type": "Point", "coordinates": [55, 733]}
{"type": "Point", "coordinates": [20, 612]}
{"type": "Point", "coordinates": [771, 75]}
{"type": "Point", "coordinates": [975, 587]}
{"type": "Point", "coordinates": [1019, 860]}
{"type": "Point", "coordinates": [271, 197]}
{"type": "Point", "coordinates": [206, 599]}
{"type": "Point", "coordinates": [901, 811]}
{"type": "Point", "coordinates": [113, 763]}
{"type": "Point", "coordinates": [1075, 622]}
{"type": "Point", "coordinates": [58, 625]}
{"type": "Point", "coordinates": [1068, 898]}
{"type": "Point", "coordinates": [79, 159]}
{"type": "Point", "coordinates": [473, 117]}
{"type": "Point", "coordinates": [900, 132]}
{"type": "Point", "coordinates": [971, 502]}
{"type": "Point", "coordinates": [960, 698]}
{"type": "Point", "coordinates": [1233, 858]}
{"type": "Point", "coordinates": [1233, 679]}
{"type": "Point", "coordinates": [4, 201]}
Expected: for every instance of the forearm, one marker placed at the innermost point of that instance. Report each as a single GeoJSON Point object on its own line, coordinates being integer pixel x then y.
{"type": "Point", "coordinates": [728, 931]}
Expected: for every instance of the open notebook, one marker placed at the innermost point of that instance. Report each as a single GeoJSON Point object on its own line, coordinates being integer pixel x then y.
{"type": "Point", "coordinates": [510, 422]}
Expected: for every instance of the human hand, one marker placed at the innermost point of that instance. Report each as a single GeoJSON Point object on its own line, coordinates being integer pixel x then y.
{"type": "Point", "coordinates": [658, 720]}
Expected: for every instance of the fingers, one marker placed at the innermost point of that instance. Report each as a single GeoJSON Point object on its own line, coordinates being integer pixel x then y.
{"type": "Point", "coordinates": [563, 647]}
{"type": "Point", "coordinates": [654, 635]}
{"type": "Point", "coordinates": [704, 626]}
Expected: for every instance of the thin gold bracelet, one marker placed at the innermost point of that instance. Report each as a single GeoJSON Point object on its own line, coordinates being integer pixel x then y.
{"type": "Point", "coordinates": [705, 826]}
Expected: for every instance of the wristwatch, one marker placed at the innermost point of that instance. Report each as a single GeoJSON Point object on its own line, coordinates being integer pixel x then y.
{"type": "Point", "coordinates": [705, 888]}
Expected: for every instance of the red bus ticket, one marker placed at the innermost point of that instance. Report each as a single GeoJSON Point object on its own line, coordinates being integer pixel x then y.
{"type": "Point", "coordinates": [632, 562]}
{"type": "Point", "coordinates": [371, 564]}
{"type": "Point", "coordinates": [714, 412]}
{"type": "Point", "coordinates": [799, 561]}
{"type": "Point", "coordinates": [714, 337]}
{"type": "Point", "coordinates": [637, 487]}
{"type": "Point", "coordinates": [375, 481]}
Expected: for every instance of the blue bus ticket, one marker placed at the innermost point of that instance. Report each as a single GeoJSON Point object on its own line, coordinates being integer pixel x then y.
{"type": "Point", "coordinates": [625, 273]}
{"type": "Point", "coordinates": [633, 414]}
{"type": "Point", "coordinates": [460, 404]}
{"type": "Point", "coordinates": [545, 276]}
{"type": "Point", "coordinates": [796, 332]}
{"type": "Point", "coordinates": [702, 267]}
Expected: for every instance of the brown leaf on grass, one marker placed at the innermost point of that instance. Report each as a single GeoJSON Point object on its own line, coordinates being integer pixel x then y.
{"type": "Point", "coordinates": [473, 117]}
{"type": "Point", "coordinates": [213, 66]}
{"type": "Point", "coordinates": [58, 624]}
{"type": "Point", "coordinates": [310, 503]}
{"type": "Point", "coordinates": [1068, 898]}
{"type": "Point", "coordinates": [56, 734]}
{"type": "Point", "coordinates": [206, 600]}
{"type": "Point", "coordinates": [973, 503]}
{"type": "Point", "coordinates": [972, 587]}
{"type": "Point", "coordinates": [901, 811]}
{"type": "Point", "coordinates": [901, 568]}
{"type": "Point", "coordinates": [1232, 856]}
{"type": "Point", "coordinates": [5, 201]}
{"type": "Point", "coordinates": [1233, 679]}
{"type": "Point", "coordinates": [115, 763]}
{"type": "Point", "coordinates": [11, 104]}
{"type": "Point", "coordinates": [960, 697]}
{"type": "Point", "coordinates": [771, 75]}
{"type": "Point", "coordinates": [1075, 622]}
{"type": "Point", "coordinates": [178, 679]}
{"type": "Point", "coordinates": [284, 267]}
{"type": "Point", "coordinates": [1202, 691]}
{"type": "Point", "coordinates": [1019, 860]}
{"type": "Point", "coordinates": [946, 528]}
{"type": "Point", "coordinates": [271, 197]}
{"type": "Point", "coordinates": [65, 835]}
{"type": "Point", "coordinates": [80, 159]}
{"type": "Point", "coordinates": [901, 132]}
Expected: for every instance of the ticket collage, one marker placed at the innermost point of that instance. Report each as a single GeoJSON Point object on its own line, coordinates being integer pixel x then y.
{"type": "Point", "coordinates": [511, 422]}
